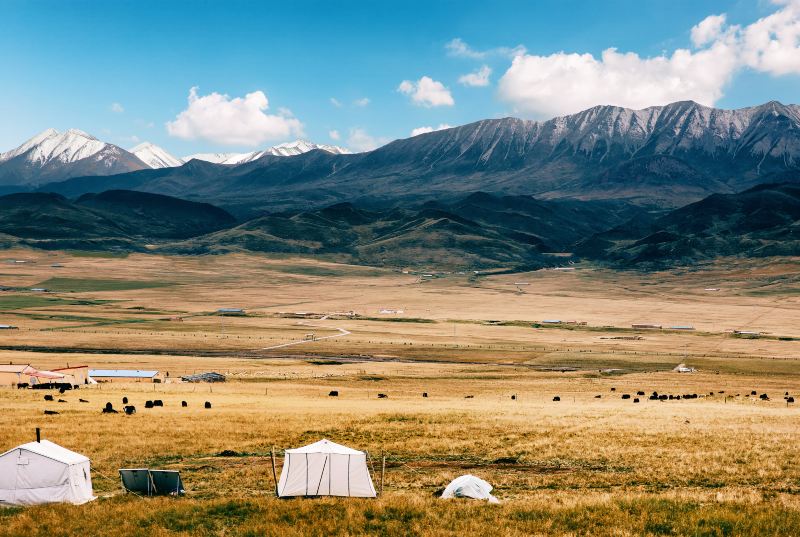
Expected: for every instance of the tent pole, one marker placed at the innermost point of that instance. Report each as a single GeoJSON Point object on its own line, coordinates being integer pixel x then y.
{"type": "Point", "coordinates": [383, 470]}
{"type": "Point", "coordinates": [274, 473]}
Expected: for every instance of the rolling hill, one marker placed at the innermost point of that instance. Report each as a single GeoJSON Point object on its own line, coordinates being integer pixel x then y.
{"type": "Point", "coordinates": [762, 221]}
{"type": "Point", "coordinates": [114, 220]}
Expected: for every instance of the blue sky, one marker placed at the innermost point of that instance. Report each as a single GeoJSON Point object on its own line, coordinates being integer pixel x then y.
{"type": "Point", "coordinates": [66, 64]}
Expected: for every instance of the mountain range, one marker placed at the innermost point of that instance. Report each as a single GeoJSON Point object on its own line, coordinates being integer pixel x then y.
{"type": "Point", "coordinates": [664, 156]}
{"type": "Point", "coordinates": [55, 156]}
{"type": "Point", "coordinates": [674, 184]}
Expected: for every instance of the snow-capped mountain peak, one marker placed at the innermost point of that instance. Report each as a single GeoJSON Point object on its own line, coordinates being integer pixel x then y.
{"type": "Point", "coordinates": [287, 149]}
{"type": "Point", "coordinates": [301, 146]}
{"type": "Point", "coordinates": [155, 156]}
{"type": "Point", "coordinates": [221, 158]}
{"type": "Point", "coordinates": [51, 145]}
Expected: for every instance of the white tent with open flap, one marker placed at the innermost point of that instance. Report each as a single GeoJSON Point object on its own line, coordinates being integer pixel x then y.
{"type": "Point", "coordinates": [44, 472]}
{"type": "Point", "coordinates": [469, 486]}
{"type": "Point", "coordinates": [325, 468]}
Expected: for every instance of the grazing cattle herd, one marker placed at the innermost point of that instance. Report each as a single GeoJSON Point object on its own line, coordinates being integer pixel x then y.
{"type": "Point", "coordinates": [654, 396]}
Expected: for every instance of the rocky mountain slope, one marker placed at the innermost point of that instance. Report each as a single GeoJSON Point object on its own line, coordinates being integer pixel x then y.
{"type": "Point", "coordinates": [53, 155]}
{"type": "Point", "coordinates": [665, 156]}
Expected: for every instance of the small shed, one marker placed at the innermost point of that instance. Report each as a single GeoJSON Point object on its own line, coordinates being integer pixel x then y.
{"type": "Point", "coordinates": [325, 468]}
{"type": "Point", "coordinates": [44, 472]}
{"type": "Point", "coordinates": [204, 377]}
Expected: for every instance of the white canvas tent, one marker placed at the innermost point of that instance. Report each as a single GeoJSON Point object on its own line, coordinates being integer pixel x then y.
{"type": "Point", "coordinates": [325, 468]}
{"type": "Point", "coordinates": [44, 472]}
{"type": "Point", "coordinates": [469, 486]}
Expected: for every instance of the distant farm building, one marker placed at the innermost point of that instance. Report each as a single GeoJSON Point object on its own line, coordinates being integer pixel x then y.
{"type": "Point", "coordinates": [15, 374]}
{"type": "Point", "coordinates": [125, 375]}
{"type": "Point", "coordinates": [646, 326]}
{"type": "Point", "coordinates": [8, 327]}
{"type": "Point", "coordinates": [39, 290]}
{"type": "Point", "coordinates": [746, 333]}
{"type": "Point", "coordinates": [388, 311]}
{"type": "Point", "coordinates": [682, 327]}
{"type": "Point", "coordinates": [231, 311]}
{"type": "Point", "coordinates": [78, 373]}
{"type": "Point", "coordinates": [204, 377]}
{"type": "Point", "coordinates": [11, 374]}
{"type": "Point", "coordinates": [551, 321]}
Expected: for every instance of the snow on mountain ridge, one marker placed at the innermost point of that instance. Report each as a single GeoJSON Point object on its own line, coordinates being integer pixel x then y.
{"type": "Point", "coordinates": [51, 145]}
{"type": "Point", "coordinates": [287, 149]}
{"type": "Point", "coordinates": [155, 156]}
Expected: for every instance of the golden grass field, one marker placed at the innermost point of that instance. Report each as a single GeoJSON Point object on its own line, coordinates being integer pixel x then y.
{"type": "Point", "coordinates": [721, 464]}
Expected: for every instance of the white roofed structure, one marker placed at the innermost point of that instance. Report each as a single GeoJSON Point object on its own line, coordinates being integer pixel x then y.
{"type": "Point", "coordinates": [44, 472]}
{"type": "Point", "coordinates": [469, 486]}
{"type": "Point", "coordinates": [325, 468]}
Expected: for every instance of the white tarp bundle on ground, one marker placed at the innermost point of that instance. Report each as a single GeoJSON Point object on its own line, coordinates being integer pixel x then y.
{"type": "Point", "coordinates": [325, 468]}
{"type": "Point", "coordinates": [44, 472]}
{"type": "Point", "coordinates": [469, 486]}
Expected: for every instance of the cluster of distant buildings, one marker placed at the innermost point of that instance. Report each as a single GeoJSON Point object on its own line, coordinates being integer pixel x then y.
{"type": "Point", "coordinates": [25, 375]}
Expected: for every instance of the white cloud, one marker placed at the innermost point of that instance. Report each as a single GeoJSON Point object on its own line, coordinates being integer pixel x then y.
{"type": "Point", "coordinates": [427, 92]}
{"type": "Point", "coordinates": [772, 44]}
{"type": "Point", "coordinates": [117, 108]}
{"type": "Point", "coordinates": [708, 30]}
{"type": "Point", "coordinates": [334, 135]}
{"type": "Point", "coordinates": [457, 47]}
{"type": "Point", "coordinates": [360, 141]}
{"type": "Point", "coordinates": [361, 103]}
{"type": "Point", "coordinates": [233, 121]}
{"type": "Point", "coordinates": [564, 83]}
{"type": "Point", "coordinates": [335, 102]}
{"type": "Point", "coordinates": [477, 78]}
{"type": "Point", "coordinates": [425, 130]}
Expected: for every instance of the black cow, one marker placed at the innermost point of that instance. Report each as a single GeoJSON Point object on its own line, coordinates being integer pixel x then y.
{"type": "Point", "coordinates": [207, 405]}
{"type": "Point", "coordinates": [50, 413]}
{"type": "Point", "coordinates": [48, 397]}
{"type": "Point", "coordinates": [556, 398]}
{"type": "Point", "coordinates": [382, 396]}
{"type": "Point", "coordinates": [82, 401]}
{"type": "Point", "coordinates": [124, 400]}
{"type": "Point", "coordinates": [333, 393]}
{"type": "Point", "coordinates": [148, 404]}
{"type": "Point", "coordinates": [129, 410]}
{"type": "Point", "coordinates": [184, 404]}
{"type": "Point", "coordinates": [158, 402]}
